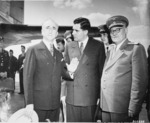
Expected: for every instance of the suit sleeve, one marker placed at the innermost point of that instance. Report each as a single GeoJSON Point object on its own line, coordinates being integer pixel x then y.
{"type": "Point", "coordinates": [28, 75]}
{"type": "Point", "coordinates": [66, 55]}
{"type": "Point", "coordinates": [139, 78]}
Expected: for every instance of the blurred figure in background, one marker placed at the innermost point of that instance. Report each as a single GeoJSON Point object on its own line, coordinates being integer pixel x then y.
{"type": "Point", "coordinates": [4, 60]}
{"type": "Point", "coordinates": [60, 44]}
{"type": "Point", "coordinates": [68, 36]}
{"type": "Point", "coordinates": [61, 48]}
{"type": "Point", "coordinates": [12, 65]}
{"type": "Point", "coordinates": [105, 36]}
{"type": "Point", "coordinates": [20, 68]}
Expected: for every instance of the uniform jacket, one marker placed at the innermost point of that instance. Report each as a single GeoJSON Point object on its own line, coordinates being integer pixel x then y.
{"type": "Point", "coordinates": [84, 90]}
{"type": "Point", "coordinates": [42, 77]}
{"type": "Point", "coordinates": [124, 79]}
{"type": "Point", "coordinates": [4, 61]}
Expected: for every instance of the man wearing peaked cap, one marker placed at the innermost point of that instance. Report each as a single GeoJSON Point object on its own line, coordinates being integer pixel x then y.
{"type": "Point", "coordinates": [117, 21]}
{"type": "Point", "coordinates": [105, 36]}
{"type": "Point", "coordinates": [124, 78]}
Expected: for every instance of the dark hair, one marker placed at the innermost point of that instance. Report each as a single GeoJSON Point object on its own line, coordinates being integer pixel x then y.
{"type": "Point", "coordinates": [84, 22]}
{"type": "Point", "coordinates": [60, 40]}
{"type": "Point", "coordinates": [104, 29]}
{"type": "Point", "coordinates": [23, 46]}
{"type": "Point", "coordinates": [11, 51]}
{"type": "Point", "coordinates": [69, 32]}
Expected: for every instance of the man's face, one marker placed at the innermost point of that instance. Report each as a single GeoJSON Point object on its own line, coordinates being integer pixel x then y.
{"type": "Point", "coordinates": [22, 49]}
{"type": "Point", "coordinates": [60, 47]}
{"type": "Point", "coordinates": [49, 30]}
{"type": "Point", "coordinates": [118, 34]}
{"type": "Point", "coordinates": [78, 33]}
{"type": "Point", "coordinates": [11, 53]}
{"type": "Point", "coordinates": [104, 38]}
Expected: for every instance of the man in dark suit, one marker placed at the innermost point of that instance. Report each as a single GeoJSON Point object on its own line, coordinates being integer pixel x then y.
{"type": "Point", "coordinates": [124, 78]}
{"type": "Point", "coordinates": [89, 55]}
{"type": "Point", "coordinates": [43, 69]}
{"type": "Point", "coordinates": [12, 68]}
{"type": "Point", "coordinates": [20, 68]}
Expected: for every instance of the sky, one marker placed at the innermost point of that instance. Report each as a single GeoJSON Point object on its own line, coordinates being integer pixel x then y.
{"type": "Point", "coordinates": [97, 11]}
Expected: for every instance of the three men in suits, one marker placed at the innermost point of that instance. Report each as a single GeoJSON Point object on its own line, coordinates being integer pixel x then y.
{"type": "Point", "coordinates": [124, 78]}
{"type": "Point", "coordinates": [89, 55]}
{"type": "Point", "coordinates": [43, 69]}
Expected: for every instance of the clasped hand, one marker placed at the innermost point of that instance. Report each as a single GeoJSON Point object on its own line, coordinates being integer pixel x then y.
{"type": "Point", "coordinates": [73, 65]}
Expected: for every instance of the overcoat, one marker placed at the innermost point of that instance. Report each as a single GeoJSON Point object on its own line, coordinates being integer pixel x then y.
{"type": "Point", "coordinates": [124, 79]}
{"type": "Point", "coordinates": [42, 77]}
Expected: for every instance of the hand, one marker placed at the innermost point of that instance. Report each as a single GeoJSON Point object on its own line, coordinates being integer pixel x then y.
{"type": "Point", "coordinates": [73, 65]}
{"type": "Point", "coordinates": [29, 110]}
{"type": "Point", "coordinates": [131, 113]}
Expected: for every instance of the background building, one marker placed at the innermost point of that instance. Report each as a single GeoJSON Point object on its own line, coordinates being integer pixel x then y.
{"type": "Point", "coordinates": [12, 12]}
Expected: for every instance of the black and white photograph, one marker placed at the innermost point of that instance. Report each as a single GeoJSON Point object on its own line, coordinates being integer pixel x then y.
{"type": "Point", "coordinates": [74, 61]}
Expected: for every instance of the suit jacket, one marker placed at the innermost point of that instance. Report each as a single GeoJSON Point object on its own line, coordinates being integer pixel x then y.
{"type": "Point", "coordinates": [12, 66]}
{"type": "Point", "coordinates": [84, 90]}
{"type": "Point", "coordinates": [148, 88]}
{"type": "Point", "coordinates": [124, 79]}
{"type": "Point", "coordinates": [20, 62]}
{"type": "Point", "coordinates": [42, 77]}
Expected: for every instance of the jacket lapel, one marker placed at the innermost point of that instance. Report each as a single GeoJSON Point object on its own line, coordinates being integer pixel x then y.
{"type": "Point", "coordinates": [86, 52]}
{"type": "Point", "coordinates": [46, 52]}
{"type": "Point", "coordinates": [118, 54]}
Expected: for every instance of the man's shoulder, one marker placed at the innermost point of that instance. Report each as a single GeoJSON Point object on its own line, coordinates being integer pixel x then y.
{"type": "Point", "coordinates": [96, 42]}
{"type": "Point", "coordinates": [35, 46]}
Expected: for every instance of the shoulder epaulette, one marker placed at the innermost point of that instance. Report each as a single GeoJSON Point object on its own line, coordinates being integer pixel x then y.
{"type": "Point", "coordinates": [137, 43]}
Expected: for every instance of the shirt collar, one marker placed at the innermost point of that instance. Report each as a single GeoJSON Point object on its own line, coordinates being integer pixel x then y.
{"type": "Point", "coordinates": [113, 45]}
{"type": "Point", "coordinates": [84, 42]}
{"type": "Point", "coordinates": [48, 43]}
{"type": "Point", "coordinates": [119, 45]}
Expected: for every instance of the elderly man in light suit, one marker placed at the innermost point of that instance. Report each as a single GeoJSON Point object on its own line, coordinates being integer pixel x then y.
{"type": "Point", "coordinates": [43, 69]}
{"type": "Point", "coordinates": [124, 78]}
{"type": "Point", "coordinates": [83, 92]}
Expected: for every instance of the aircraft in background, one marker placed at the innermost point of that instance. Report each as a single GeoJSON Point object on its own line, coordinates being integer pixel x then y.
{"type": "Point", "coordinates": [14, 34]}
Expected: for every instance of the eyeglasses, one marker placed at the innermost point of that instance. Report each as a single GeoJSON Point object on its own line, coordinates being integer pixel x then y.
{"type": "Point", "coordinates": [116, 31]}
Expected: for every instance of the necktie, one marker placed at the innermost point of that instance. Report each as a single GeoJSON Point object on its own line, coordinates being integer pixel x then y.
{"type": "Point", "coordinates": [81, 47]}
{"type": "Point", "coordinates": [51, 49]}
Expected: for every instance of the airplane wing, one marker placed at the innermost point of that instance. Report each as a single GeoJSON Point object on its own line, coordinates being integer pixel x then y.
{"type": "Point", "coordinates": [14, 34]}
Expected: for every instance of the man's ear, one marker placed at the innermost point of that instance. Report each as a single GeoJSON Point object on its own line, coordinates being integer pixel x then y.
{"type": "Point", "coordinates": [86, 32]}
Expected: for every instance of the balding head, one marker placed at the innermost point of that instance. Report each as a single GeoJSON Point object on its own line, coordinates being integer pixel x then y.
{"type": "Point", "coordinates": [49, 30]}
